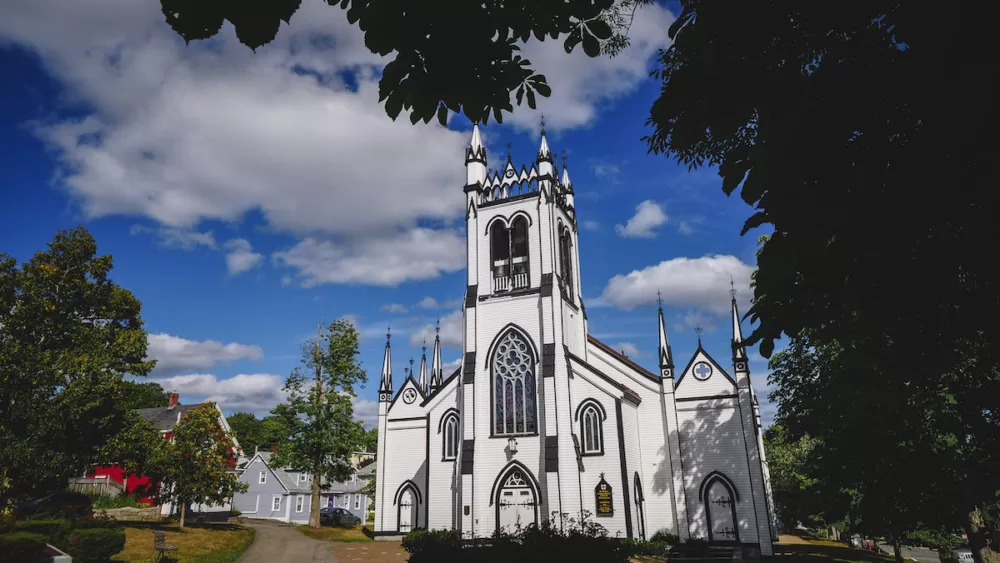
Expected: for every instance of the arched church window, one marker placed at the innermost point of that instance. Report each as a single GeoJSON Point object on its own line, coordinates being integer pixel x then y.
{"type": "Point", "coordinates": [591, 430]}
{"type": "Point", "coordinates": [500, 250]}
{"type": "Point", "coordinates": [514, 391]}
{"type": "Point", "coordinates": [519, 253]}
{"type": "Point", "coordinates": [566, 261]}
{"type": "Point", "coordinates": [450, 437]}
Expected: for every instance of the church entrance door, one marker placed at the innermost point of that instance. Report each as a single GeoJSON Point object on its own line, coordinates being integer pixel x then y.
{"type": "Point", "coordinates": [721, 510]}
{"type": "Point", "coordinates": [407, 511]}
{"type": "Point", "coordinates": [516, 505]}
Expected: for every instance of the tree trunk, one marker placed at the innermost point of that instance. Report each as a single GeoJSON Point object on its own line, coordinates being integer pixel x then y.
{"type": "Point", "coordinates": [314, 506]}
{"type": "Point", "coordinates": [974, 531]}
{"type": "Point", "coordinates": [897, 551]}
{"type": "Point", "coordinates": [183, 507]}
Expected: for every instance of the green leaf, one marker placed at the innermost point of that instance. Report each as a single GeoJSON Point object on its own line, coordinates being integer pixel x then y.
{"type": "Point", "coordinates": [531, 99]}
{"type": "Point", "coordinates": [443, 115]}
{"type": "Point", "coordinates": [591, 46]}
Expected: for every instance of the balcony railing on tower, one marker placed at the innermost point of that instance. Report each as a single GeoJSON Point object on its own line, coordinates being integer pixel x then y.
{"type": "Point", "coordinates": [510, 274]}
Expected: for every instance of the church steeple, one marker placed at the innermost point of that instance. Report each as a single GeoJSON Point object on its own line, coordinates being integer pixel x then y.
{"type": "Point", "coordinates": [666, 357]}
{"type": "Point", "coordinates": [436, 375]}
{"type": "Point", "coordinates": [385, 387]}
{"type": "Point", "coordinates": [422, 381]}
{"type": "Point", "coordinates": [475, 161]}
{"type": "Point", "coordinates": [567, 184]}
{"type": "Point", "coordinates": [739, 350]}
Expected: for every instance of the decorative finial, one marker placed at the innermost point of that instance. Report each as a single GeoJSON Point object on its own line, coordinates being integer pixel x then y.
{"type": "Point", "coordinates": [698, 330]}
{"type": "Point", "coordinates": [542, 120]}
{"type": "Point", "coordinates": [659, 300]}
{"type": "Point", "coordinates": [509, 156]}
{"type": "Point", "coordinates": [388, 332]}
{"type": "Point", "coordinates": [437, 327]}
{"type": "Point", "coordinates": [732, 287]}
{"type": "Point", "coordinates": [564, 158]}
{"type": "Point", "coordinates": [424, 347]}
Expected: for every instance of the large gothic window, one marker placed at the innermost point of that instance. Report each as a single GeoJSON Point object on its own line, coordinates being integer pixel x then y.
{"type": "Point", "coordinates": [591, 430]}
{"type": "Point", "coordinates": [500, 250]}
{"type": "Point", "coordinates": [519, 253]}
{"type": "Point", "coordinates": [451, 437]}
{"type": "Point", "coordinates": [514, 391]}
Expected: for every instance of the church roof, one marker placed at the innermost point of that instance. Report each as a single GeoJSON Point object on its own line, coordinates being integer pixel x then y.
{"type": "Point", "coordinates": [620, 357]}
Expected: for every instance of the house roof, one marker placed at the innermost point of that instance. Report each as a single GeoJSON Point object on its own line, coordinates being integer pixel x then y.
{"type": "Point", "coordinates": [289, 479]}
{"type": "Point", "coordinates": [165, 418]}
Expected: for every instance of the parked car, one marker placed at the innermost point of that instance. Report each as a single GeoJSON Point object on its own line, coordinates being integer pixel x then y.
{"type": "Point", "coordinates": [67, 504]}
{"type": "Point", "coordinates": [963, 554]}
{"type": "Point", "coordinates": [338, 517]}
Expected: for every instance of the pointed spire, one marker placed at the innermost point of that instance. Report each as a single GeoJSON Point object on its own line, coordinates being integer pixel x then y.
{"type": "Point", "coordinates": [565, 175]}
{"type": "Point", "coordinates": [544, 153]}
{"type": "Point", "coordinates": [476, 151]}
{"type": "Point", "coordinates": [739, 351]}
{"type": "Point", "coordinates": [385, 388]}
{"type": "Point", "coordinates": [436, 375]}
{"type": "Point", "coordinates": [666, 358]}
{"type": "Point", "coordinates": [477, 138]}
{"type": "Point", "coordinates": [422, 381]}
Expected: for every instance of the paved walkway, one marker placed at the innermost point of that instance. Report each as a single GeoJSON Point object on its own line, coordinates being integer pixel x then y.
{"type": "Point", "coordinates": [282, 543]}
{"type": "Point", "coordinates": [370, 552]}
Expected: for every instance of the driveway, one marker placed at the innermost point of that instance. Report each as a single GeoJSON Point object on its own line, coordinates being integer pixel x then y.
{"type": "Point", "coordinates": [920, 554]}
{"type": "Point", "coordinates": [282, 543]}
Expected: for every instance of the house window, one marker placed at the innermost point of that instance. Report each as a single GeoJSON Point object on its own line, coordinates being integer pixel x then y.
{"type": "Point", "coordinates": [514, 386]}
{"type": "Point", "coordinates": [346, 500]}
{"type": "Point", "coordinates": [300, 502]}
{"type": "Point", "coordinates": [357, 502]}
{"type": "Point", "coordinates": [450, 447]}
{"type": "Point", "coordinates": [262, 477]}
{"type": "Point", "coordinates": [276, 504]}
{"type": "Point", "coordinates": [591, 430]}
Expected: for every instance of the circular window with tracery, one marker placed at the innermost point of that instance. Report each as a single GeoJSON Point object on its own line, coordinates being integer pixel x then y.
{"type": "Point", "coordinates": [514, 386]}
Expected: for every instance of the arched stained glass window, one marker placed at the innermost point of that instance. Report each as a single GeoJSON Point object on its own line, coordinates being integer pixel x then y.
{"type": "Point", "coordinates": [451, 437]}
{"type": "Point", "coordinates": [590, 426]}
{"type": "Point", "coordinates": [514, 391]}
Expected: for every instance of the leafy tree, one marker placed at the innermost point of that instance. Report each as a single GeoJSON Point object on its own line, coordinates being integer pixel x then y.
{"type": "Point", "coordinates": [144, 395]}
{"type": "Point", "coordinates": [247, 429]}
{"type": "Point", "coordinates": [323, 432]}
{"type": "Point", "coordinates": [196, 466]}
{"type": "Point", "coordinates": [471, 68]}
{"type": "Point", "coordinates": [792, 486]}
{"type": "Point", "coordinates": [370, 441]}
{"type": "Point", "coordinates": [68, 335]}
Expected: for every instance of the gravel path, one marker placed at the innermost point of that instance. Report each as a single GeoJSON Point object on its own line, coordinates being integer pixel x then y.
{"type": "Point", "coordinates": [282, 543]}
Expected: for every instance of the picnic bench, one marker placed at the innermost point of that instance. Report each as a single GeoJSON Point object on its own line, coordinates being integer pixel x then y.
{"type": "Point", "coordinates": [161, 546]}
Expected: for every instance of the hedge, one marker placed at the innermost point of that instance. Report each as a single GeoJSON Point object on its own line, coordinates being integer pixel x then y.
{"type": "Point", "coordinates": [56, 531]}
{"type": "Point", "coordinates": [22, 546]}
{"type": "Point", "coordinates": [95, 545]}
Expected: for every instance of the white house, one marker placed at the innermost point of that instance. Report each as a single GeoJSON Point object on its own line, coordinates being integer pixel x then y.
{"type": "Point", "coordinates": [543, 419]}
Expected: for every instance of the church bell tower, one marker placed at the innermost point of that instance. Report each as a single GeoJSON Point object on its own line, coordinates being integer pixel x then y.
{"type": "Point", "coordinates": [523, 314]}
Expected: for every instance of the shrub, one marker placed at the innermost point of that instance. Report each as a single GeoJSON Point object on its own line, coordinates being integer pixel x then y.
{"type": "Point", "coordinates": [54, 530]}
{"type": "Point", "coordinates": [95, 545]}
{"type": "Point", "coordinates": [22, 546]}
{"type": "Point", "coordinates": [665, 537]}
{"type": "Point", "coordinates": [108, 501]}
{"type": "Point", "coordinates": [433, 545]}
{"type": "Point", "coordinates": [640, 547]}
{"type": "Point", "coordinates": [234, 513]}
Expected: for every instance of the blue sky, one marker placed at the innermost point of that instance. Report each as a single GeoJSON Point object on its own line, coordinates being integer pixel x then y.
{"type": "Point", "coordinates": [246, 197]}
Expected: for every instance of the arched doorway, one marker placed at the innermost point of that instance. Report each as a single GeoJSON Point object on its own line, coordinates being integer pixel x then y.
{"type": "Point", "coordinates": [516, 500]}
{"type": "Point", "coordinates": [720, 498]}
{"type": "Point", "coordinates": [407, 505]}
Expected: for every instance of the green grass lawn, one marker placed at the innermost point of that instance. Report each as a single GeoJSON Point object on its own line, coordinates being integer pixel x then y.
{"type": "Point", "coordinates": [826, 551]}
{"type": "Point", "coordinates": [196, 543]}
{"type": "Point", "coordinates": [335, 533]}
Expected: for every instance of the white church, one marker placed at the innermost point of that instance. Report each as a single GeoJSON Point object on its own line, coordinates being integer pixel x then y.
{"type": "Point", "coordinates": [542, 420]}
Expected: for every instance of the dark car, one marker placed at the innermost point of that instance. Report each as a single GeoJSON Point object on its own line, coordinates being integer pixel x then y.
{"type": "Point", "coordinates": [338, 517]}
{"type": "Point", "coordinates": [67, 504]}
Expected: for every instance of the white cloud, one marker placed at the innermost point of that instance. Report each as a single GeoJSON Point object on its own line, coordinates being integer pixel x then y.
{"type": "Point", "coordinates": [257, 392]}
{"type": "Point", "coordinates": [432, 303]}
{"type": "Point", "coordinates": [689, 225]}
{"type": "Point", "coordinates": [174, 354]}
{"type": "Point", "coordinates": [418, 254]}
{"type": "Point", "coordinates": [696, 283]}
{"type": "Point", "coordinates": [630, 350]}
{"type": "Point", "coordinates": [366, 411]}
{"type": "Point", "coordinates": [693, 320]}
{"type": "Point", "coordinates": [580, 85]}
{"type": "Point", "coordinates": [452, 327]}
{"type": "Point", "coordinates": [241, 256]}
{"type": "Point", "coordinates": [172, 237]}
{"type": "Point", "coordinates": [394, 308]}
{"type": "Point", "coordinates": [591, 225]}
{"type": "Point", "coordinates": [648, 216]}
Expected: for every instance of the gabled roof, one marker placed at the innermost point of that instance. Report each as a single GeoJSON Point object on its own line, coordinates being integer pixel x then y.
{"type": "Point", "coordinates": [165, 418]}
{"type": "Point", "coordinates": [290, 483]}
{"type": "Point", "coordinates": [622, 358]}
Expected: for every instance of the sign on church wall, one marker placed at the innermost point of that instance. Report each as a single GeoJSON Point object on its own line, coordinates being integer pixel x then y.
{"type": "Point", "coordinates": [605, 498]}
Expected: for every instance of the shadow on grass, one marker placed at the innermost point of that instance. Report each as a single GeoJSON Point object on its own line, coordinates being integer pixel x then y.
{"type": "Point", "coordinates": [172, 526]}
{"type": "Point", "coordinates": [812, 553]}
